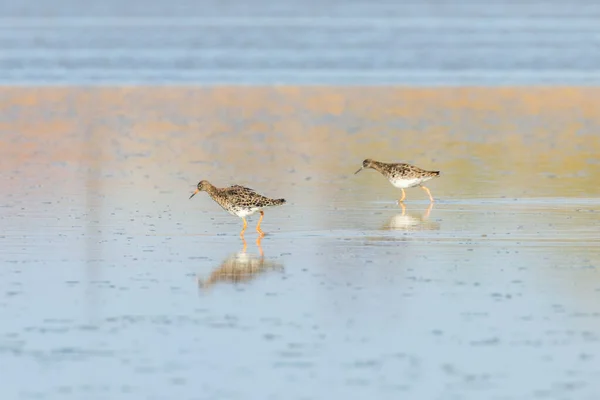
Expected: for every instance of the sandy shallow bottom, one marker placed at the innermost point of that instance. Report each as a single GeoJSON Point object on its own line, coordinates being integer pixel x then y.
{"type": "Point", "coordinates": [114, 285]}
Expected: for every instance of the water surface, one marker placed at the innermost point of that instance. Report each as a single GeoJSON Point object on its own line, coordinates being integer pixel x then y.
{"type": "Point", "coordinates": [114, 285]}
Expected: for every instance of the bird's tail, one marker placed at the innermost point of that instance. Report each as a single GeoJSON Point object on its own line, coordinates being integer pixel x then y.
{"type": "Point", "coordinates": [434, 173]}
{"type": "Point", "coordinates": [278, 202]}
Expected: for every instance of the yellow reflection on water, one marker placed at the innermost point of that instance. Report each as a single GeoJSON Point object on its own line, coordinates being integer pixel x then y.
{"type": "Point", "coordinates": [488, 142]}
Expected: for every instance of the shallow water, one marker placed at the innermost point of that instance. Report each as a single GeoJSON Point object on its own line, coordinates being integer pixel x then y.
{"type": "Point", "coordinates": [114, 285]}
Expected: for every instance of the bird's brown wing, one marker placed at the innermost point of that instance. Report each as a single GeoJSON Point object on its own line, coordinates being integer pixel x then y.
{"type": "Point", "coordinates": [246, 196]}
{"type": "Point", "coordinates": [408, 170]}
{"type": "Point", "coordinates": [239, 190]}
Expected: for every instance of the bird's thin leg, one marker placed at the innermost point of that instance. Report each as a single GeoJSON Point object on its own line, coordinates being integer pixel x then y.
{"type": "Point", "coordinates": [244, 228]}
{"type": "Point", "coordinates": [259, 246]}
{"type": "Point", "coordinates": [245, 244]}
{"type": "Point", "coordinates": [403, 195]}
{"type": "Point", "coordinates": [428, 211]}
{"type": "Point", "coordinates": [260, 232]}
{"type": "Point", "coordinates": [428, 192]}
{"type": "Point", "coordinates": [403, 209]}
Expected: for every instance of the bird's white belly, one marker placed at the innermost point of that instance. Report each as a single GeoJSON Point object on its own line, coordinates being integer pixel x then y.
{"type": "Point", "coordinates": [242, 213]}
{"type": "Point", "coordinates": [406, 183]}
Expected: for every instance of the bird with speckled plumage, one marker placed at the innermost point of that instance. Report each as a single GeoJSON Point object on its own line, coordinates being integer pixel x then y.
{"type": "Point", "coordinates": [402, 176]}
{"type": "Point", "coordinates": [239, 201]}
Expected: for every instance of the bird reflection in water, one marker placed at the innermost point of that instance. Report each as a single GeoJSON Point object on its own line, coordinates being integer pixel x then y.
{"type": "Point", "coordinates": [241, 267]}
{"type": "Point", "coordinates": [412, 222]}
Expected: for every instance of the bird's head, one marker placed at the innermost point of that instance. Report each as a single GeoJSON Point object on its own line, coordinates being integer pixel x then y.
{"type": "Point", "coordinates": [202, 185]}
{"type": "Point", "coordinates": [368, 163]}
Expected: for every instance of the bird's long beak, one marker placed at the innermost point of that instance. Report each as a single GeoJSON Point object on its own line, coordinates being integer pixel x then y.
{"type": "Point", "coordinates": [193, 194]}
{"type": "Point", "coordinates": [360, 169]}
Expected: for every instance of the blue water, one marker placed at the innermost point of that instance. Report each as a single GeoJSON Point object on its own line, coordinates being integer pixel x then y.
{"type": "Point", "coordinates": [295, 42]}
